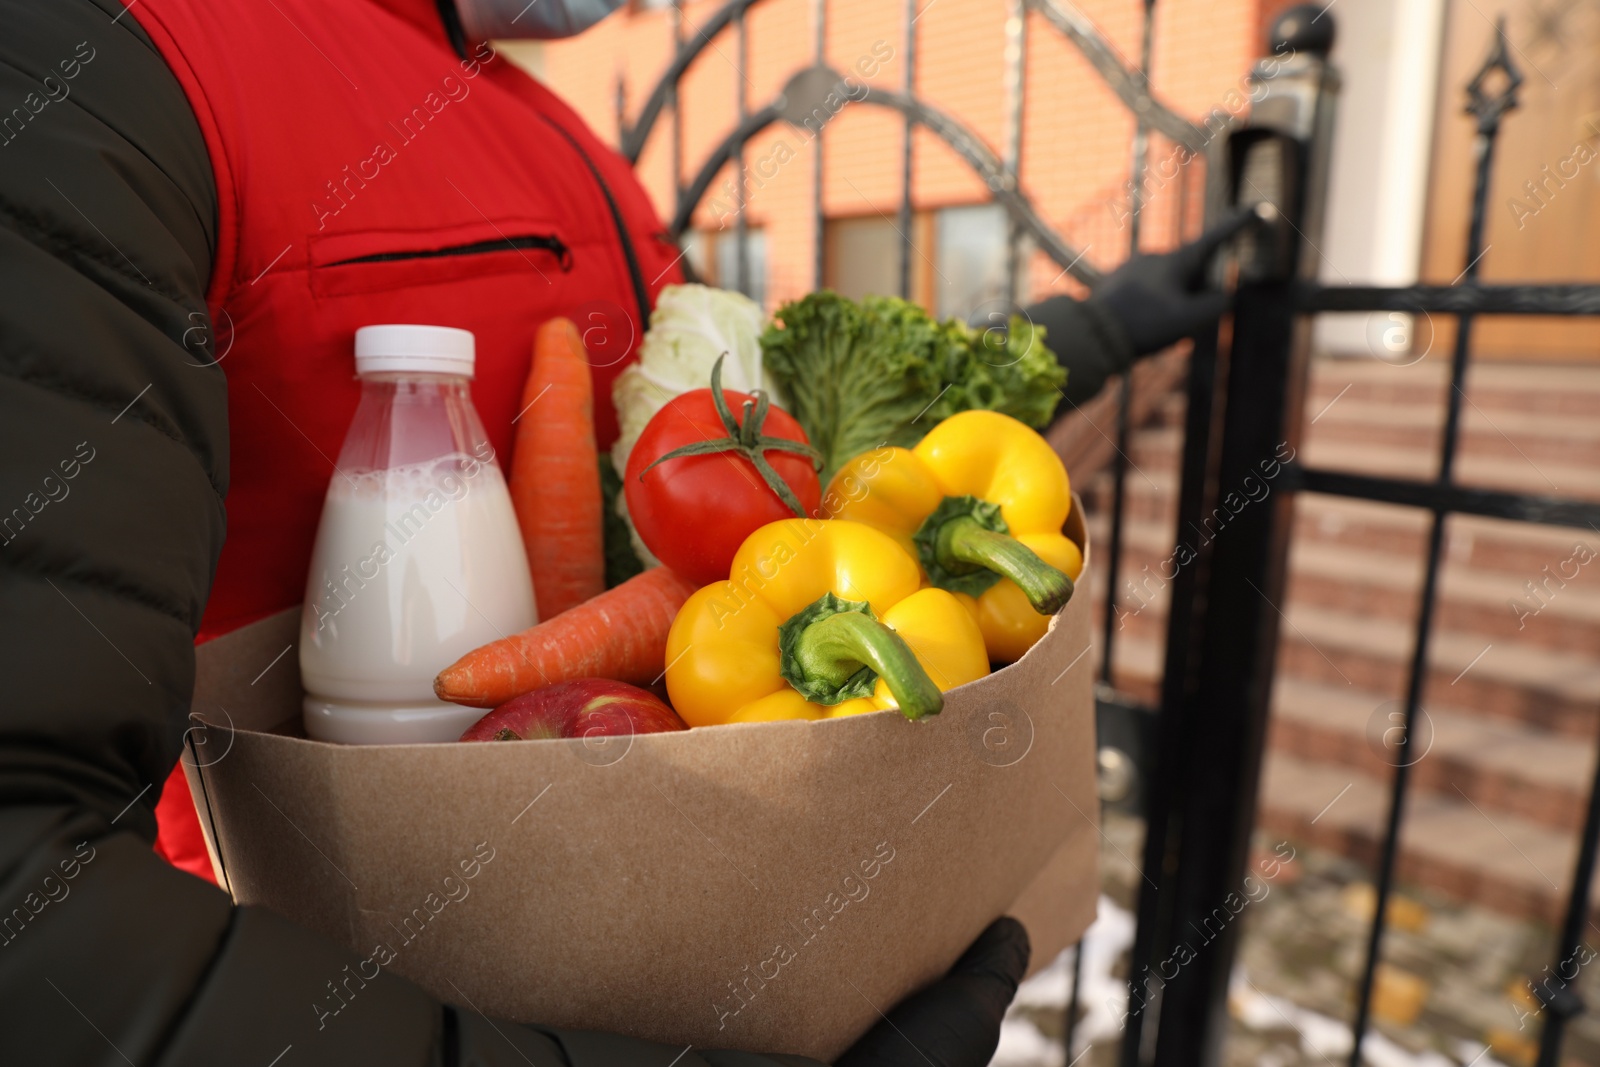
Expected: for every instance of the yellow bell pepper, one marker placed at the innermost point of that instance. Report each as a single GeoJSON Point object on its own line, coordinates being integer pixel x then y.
{"type": "Point", "coordinates": [981, 501]}
{"type": "Point", "coordinates": [819, 618]}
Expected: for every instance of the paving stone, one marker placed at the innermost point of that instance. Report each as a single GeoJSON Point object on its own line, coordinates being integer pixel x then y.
{"type": "Point", "coordinates": [1302, 949]}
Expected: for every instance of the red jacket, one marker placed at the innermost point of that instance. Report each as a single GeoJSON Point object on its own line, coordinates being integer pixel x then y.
{"type": "Point", "coordinates": [367, 174]}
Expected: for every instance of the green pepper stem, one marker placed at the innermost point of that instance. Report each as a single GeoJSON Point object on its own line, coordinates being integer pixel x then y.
{"type": "Point", "coordinates": [963, 540]}
{"type": "Point", "coordinates": [837, 647]}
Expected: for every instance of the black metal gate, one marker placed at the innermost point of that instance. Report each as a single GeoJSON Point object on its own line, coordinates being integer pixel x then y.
{"type": "Point", "coordinates": [1222, 639]}
{"type": "Point", "coordinates": [1245, 395]}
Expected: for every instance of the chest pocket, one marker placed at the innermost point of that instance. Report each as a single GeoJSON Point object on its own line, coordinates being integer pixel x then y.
{"type": "Point", "coordinates": [386, 260]}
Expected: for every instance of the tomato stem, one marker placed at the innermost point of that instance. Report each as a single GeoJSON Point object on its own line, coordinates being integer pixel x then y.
{"type": "Point", "coordinates": [746, 439]}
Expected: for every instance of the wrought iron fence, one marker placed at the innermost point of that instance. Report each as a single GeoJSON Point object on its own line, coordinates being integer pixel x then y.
{"type": "Point", "coordinates": [803, 100]}
{"type": "Point", "coordinates": [1201, 749]}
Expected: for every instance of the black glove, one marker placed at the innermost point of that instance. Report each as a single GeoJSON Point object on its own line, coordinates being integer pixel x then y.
{"type": "Point", "coordinates": [1159, 299]}
{"type": "Point", "coordinates": [955, 1022]}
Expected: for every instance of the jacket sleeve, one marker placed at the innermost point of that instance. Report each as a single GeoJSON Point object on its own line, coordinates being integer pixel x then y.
{"type": "Point", "coordinates": [113, 466]}
{"type": "Point", "coordinates": [1088, 343]}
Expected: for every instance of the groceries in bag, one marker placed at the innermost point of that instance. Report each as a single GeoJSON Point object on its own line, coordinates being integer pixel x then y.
{"type": "Point", "coordinates": [620, 634]}
{"type": "Point", "coordinates": [958, 497]}
{"type": "Point", "coordinates": [554, 486]}
{"type": "Point", "coordinates": [701, 478]}
{"type": "Point", "coordinates": [981, 501]}
{"type": "Point", "coordinates": [589, 708]}
{"type": "Point", "coordinates": [418, 558]}
{"type": "Point", "coordinates": [627, 847]}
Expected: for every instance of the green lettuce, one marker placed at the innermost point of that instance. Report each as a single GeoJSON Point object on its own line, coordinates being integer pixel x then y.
{"type": "Point", "coordinates": [883, 372]}
{"type": "Point", "coordinates": [1011, 371]}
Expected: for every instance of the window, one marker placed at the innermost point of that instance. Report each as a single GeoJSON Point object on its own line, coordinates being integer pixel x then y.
{"type": "Point", "coordinates": [958, 258]}
{"type": "Point", "coordinates": [713, 256]}
{"type": "Point", "coordinates": [861, 257]}
{"type": "Point", "coordinates": [726, 245]}
{"type": "Point", "coordinates": [971, 250]}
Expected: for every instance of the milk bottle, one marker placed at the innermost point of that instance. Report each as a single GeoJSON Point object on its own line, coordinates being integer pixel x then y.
{"type": "Point", "coordinates": [418, 558]}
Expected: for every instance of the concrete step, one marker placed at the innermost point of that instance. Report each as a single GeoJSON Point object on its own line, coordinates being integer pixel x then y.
{"type": "Point", "coordinates": [1151, 494]}
{"type": "Point", "coordinates": [1567, 477]}
{"type": "Point", "coordinates": [1506, 767]}
{"type": "Point", "coordinates": [1564, 389]}
{"type": "Point", "coordinates": [1447, 842]}
{"type": "Point", "coordinates": [1168, 412]}
{"type": "Point", "coordinates": [1539, 436]}
{"type": "Point", "coordinates": [1547, 689]}
{"type": "Point", "coordinates": [1547, 466]}
{"type": "Point", "coordinates": [1557, 607]}
{"type": "Point", "coordinates": [1501, 766]}
{"type": "Point", "coordinates": [1512, 700]}
{"type": "Point", "coordinates": [1519, 549]}
{"type": "Point", "coordinates": [1526, 441]}
{"type": "Point", "coordinates": [1556, 612]}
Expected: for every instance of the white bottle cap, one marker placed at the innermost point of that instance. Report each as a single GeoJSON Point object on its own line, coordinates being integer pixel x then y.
{"type": "Point", "coordinates": [418, 349]}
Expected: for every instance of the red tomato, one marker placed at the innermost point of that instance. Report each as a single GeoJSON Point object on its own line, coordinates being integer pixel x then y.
{"type": "Point", "coordinates": [695, 511]}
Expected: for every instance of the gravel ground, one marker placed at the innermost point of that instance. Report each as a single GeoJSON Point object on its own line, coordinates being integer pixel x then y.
{"type": "Point", "coordinates": [1452, 991]}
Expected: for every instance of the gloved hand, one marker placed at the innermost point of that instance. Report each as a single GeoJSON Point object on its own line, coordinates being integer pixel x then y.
{"type": "Point", "coordinates": [955, 1022]}
{"type": "Point", "coordinates": [1158, 299]}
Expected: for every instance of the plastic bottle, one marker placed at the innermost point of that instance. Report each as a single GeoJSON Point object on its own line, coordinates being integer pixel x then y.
{"type": "Point", "coordinates": [418, 557]}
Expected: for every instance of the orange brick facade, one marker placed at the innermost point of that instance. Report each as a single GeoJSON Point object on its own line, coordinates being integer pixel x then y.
{"type": "Point", "coordinates": [1076, 142]}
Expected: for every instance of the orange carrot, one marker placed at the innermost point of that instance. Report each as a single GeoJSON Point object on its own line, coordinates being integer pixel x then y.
{"type": "Point", "coordinates": [555, 479]}
{"type": "Point", "coordinates": [620, 634]}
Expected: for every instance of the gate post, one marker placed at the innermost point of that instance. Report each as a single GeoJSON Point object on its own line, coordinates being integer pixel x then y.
{"type": "Point", "coordinates": [1223, 645]}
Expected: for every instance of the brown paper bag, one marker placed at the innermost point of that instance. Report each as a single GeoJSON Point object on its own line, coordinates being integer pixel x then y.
{"type": "Point", "coordinates": [771, 886]}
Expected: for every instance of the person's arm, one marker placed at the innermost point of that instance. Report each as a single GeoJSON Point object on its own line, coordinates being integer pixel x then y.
{"type": "Point", "coordinates": [113, 466]}
{"type": "Point", "coordinates": [1149, 302]}
{"type": "Point", "coordinates": [1087, 341]}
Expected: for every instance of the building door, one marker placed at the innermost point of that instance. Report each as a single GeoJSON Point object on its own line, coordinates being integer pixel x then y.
{"type": "Point", "coordinates": [1543, 217]}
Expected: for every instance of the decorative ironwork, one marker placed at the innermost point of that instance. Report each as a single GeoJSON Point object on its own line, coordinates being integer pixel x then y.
{"type": "Point", "coordinates": [903, 223]}
{"type": "Point", "coordinates": [1486, 105]}
{"type": "Point", "coordinates": [1220, 648]}
{"type": "Point", "coordinates": [1129, 85]}
{"type": "Point", "coordinates": [1456, 499]}
{"type": "Point", "coordinates": [989, 167]}
{"type": "Point", "coordinates": [1454, 299]}
{"type": "Point", "coordinates": [1491, 93]}
{"type": "Point", "coordinates": [966, 144]}
{"type": "Point", "coordinates": [634, 137]}
{"type": "Point", "coordinates": [1016, 74]}
{"type": "Point", "coordinates": [700, 184]}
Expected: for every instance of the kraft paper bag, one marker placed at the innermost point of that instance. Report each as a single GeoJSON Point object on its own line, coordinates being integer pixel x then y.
{"type": "Point", "coordinates": [767, 886]}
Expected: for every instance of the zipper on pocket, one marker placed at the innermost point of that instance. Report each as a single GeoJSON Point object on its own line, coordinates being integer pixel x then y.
{"type": "Point", "coordinates": [539, 242]}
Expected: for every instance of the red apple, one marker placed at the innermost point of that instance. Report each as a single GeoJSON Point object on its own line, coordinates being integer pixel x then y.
{"type": "Point", "coordinates": [584, 707]}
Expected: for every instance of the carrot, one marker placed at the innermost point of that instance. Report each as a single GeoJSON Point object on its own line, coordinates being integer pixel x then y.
{"type": "Point", "coordinates": [555, 480]}
{"type": "Point", "coordinates": [620, 634]}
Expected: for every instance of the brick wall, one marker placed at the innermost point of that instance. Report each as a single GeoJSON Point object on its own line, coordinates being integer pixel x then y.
{"type": "Point", "coordinates": [1076, 134]}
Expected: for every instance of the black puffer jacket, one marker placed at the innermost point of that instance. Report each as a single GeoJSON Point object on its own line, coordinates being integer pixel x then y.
{"type": "Point", "coordinates": [111, 520]}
